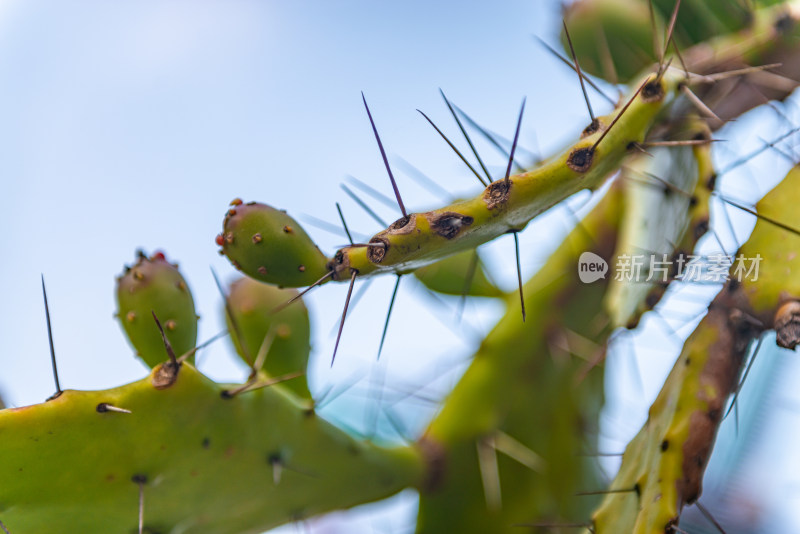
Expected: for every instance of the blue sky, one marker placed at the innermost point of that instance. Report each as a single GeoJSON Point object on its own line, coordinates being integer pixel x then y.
{"type": "Point", "coordinates": [133, 124]}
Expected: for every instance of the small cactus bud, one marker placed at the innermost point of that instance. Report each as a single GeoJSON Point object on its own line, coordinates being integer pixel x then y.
{"type": "Point", "coordinates": [153, 285]}
{"type": "Point", "coordinates": [270, 246]}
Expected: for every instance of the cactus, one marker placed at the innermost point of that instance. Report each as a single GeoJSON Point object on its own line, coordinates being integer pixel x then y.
{"type": "Point", "coordinates": [154, 287]}
{"type": "Point", "coordinates": [283, 335]}
{"type": "Point", "coordinates": [176, 451]}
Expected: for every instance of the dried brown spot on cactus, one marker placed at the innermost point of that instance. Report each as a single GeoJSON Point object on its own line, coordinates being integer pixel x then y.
{"type": "Point", "coordinates": [403, 225]}
{"type": "Point", "coordinates": [580, 159]}
{"type": "Point", "coordinates": [449, 223]}
{"type": "Point", "coordinates": [376, 254]}
{"type": "Point", "coordinates": [787, 325]}
{"type": "Point", "coordinates": [653, 91]}
{"type": "Point", "coordinates": [165, 375]}
{"type": "Point", "coordinates": [497, 193]}
{"type": "Point", "coordinates": [593, 127]}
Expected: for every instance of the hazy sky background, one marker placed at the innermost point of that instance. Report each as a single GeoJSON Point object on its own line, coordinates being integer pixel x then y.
{"type": "Point", "coordinates": [133, 124]}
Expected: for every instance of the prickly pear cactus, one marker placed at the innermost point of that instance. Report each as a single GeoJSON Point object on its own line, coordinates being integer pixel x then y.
{"type": "Point", "coordinates": [176, 452]}
{"type": "Point", "coordinates": [154, 288]}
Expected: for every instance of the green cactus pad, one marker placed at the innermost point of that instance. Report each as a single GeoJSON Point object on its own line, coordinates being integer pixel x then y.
{"type": "Point", "coordinates": [613, 39]}
{"type": "Point", "coordinates": [269, 245]}
{"type": "Point", "coordinates": [541, 396]}
{"type": "Point", "coordinates": [153, 285]}
{"type": "Point", "coordinates": [207, 464]}
{"type": "Point", "coordinates": [423, 238]}
{"type": "Point", "coordinates": [450, 276]}
{"type": "Point", "coordinates": [699, 20]}
{"type": "Point", "coordinates": [663, 465]}
{"type": "Point", "coordinates": [253, 305]}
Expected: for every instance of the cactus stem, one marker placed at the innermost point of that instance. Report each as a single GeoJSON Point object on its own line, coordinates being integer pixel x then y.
{"type": "Point", "coordinates": [514, 145]}
{"type": "Point", "coordinates": [104, 407]}
{"type": "Point", "coordinates": [388, 315]}
{"type": "Point", "coordinates": [707, 514]}
{"type": "Point", "coordinates": [385, 159]}
{"type": "Point", "coordinates": [344, 311]}
{"type": "Point", "coordinates": [578, 71]}
{"type": "Point", "coordinates": [167, 346]}
{"type": "Point", "coordinates": [344, 223]}
{"type": "Point", "coordinates": [466, 136]}
{"type": "Point", "coordinates": [458, 152]}
{"type": "Point", "coordinates": [363, 205]}
{"type": "Point", "coordinates": [50, 339]}
{"type": "Point", "coordinates": [564, 60]}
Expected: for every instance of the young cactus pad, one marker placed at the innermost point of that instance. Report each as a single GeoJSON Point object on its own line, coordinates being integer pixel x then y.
{"type": "Point", "coordinates": [419, 239]}
{"type": "Point", "coordinates": [269, 245]}
{"type": "Point", "coordinates": [260, 318]}
{"type": "Point", "coordinates": [153, 286]}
